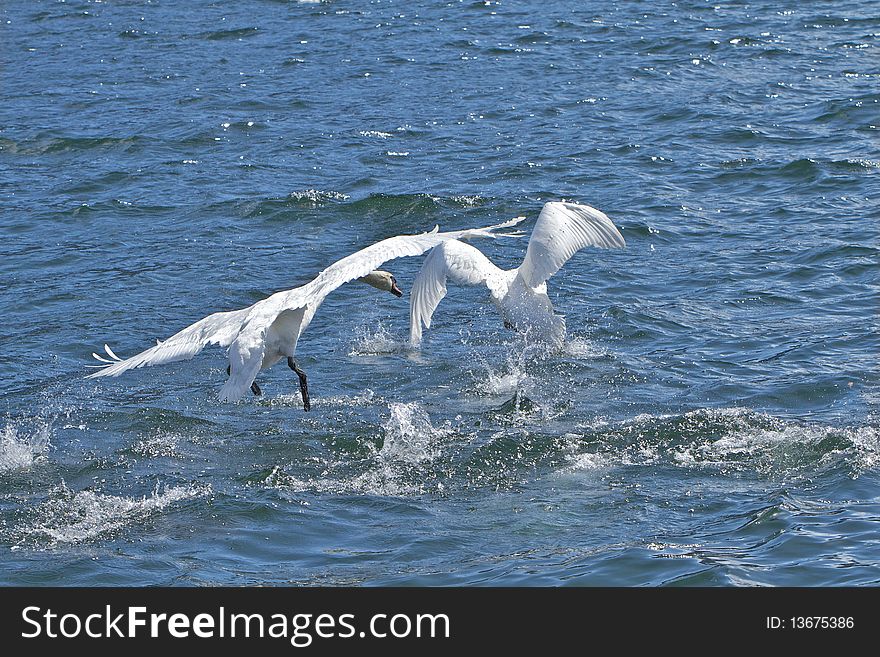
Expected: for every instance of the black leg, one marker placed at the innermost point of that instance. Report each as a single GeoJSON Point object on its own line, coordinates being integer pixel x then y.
{"type": "Point", "coordinates": [303, 383]}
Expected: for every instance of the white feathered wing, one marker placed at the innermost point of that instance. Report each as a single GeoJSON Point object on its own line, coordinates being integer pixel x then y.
{"type": "Point", "coordinates": [245, 331]}
{"type": "Point", "coordinates": [561, 230]}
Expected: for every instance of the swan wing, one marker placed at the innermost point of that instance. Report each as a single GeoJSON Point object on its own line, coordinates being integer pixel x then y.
{"type": "Point", "coordinates": [561, 230]}
{"type": "Point", "coordinates": [244, 331]}
{"type": "Point", "coordinates": [220, 328]}
{"type": "Point", "coordinates": [451, 260]}
{"type": "Point", "coordinates": [362, 262]}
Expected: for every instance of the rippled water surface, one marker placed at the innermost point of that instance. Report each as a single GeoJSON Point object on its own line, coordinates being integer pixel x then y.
{"type": "Point", "coordinates": [712, 419]}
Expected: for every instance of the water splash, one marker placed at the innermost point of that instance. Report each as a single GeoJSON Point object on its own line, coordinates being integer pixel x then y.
{"type": "Point", "coordinates": [401, 466]}
{"type": "Point", "coordinates": [373, 340]}
{"type": "Point", "coordinates": [582, 348]}
{"type": "Point", "coordinates": [382, 482]}
{"type": "Point", "coordinates": [364, 399]}
{"type": "Point", "coordinates": [161, 444]}
{"type": "Point", "coordinates": [504, 380]}
{"type": "Point", "coordinates": [76, 516]}
{"type": "Point", "coordinates": [586, 461]}
{"type": "Point", "coordinates": [317, 197]}
{"type": "Point", "coordinates": [20, 451]}
{"type": "Point", "coordinates": [409, 435]}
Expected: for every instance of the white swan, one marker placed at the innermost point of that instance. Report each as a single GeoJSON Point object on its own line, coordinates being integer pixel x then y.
{"type": "Point", "coordinates": [264, 333]}
{"type": "Point", "coordinates": [519, 294]}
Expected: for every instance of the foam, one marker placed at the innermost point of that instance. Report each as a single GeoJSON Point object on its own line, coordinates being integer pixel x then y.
{"type": "Point", "coordinates": [74, 517]}
{"type": "Point", "coordinates": [734, 440]}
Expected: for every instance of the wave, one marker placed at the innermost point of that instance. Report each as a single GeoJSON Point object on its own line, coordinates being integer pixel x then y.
{"type": "Point", "coordinates": [411, 455]}
{"type": "Point", "coordinates": [273, 207]}
{"type": "Point", "coordinates": [50, 145]}
{"type": "Point", "coordinates": [395, 204]}
{"type": "Point", "coordinates": [796, 172]}
{"type": "Point", "coordinates": [391, 204]}
{"type": "Point", "coordinates": [219, 35]}
{"type": "Point", "coordinates": [374, 208]}
{"type": "Point", "coordinates": [71, 517]}
{"type": "Point", "coordinates": [399, 465]}
{"type": "Point", "coordinates": [733, 441]}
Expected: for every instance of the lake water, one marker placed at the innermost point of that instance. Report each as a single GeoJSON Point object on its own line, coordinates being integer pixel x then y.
{"type": "Point", "coordinates": [712, 420]}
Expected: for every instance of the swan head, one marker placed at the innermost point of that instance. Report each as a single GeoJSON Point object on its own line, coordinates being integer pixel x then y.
{"type": "Point", "coordinates": [383, 280]}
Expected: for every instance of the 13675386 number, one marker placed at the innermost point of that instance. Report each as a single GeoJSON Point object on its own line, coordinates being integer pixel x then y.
{"type": "Point", "coordinates": [821, 622]}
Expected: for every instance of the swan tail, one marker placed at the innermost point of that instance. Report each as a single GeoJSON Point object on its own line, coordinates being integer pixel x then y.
{"type": "Point", "coordinates": [105, 362]}
{"type": "Point", "coordinates": [489, 231]}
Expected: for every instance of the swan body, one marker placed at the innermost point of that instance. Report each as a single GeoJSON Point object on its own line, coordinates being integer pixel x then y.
{"type": "Point", "coordinates": [520, 294]}
{"type": "Point", "coordinates": [260, 335]}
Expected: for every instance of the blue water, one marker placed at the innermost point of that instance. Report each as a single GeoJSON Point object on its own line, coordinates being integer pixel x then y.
{"type": "Point", "coordinates": [712, 420]}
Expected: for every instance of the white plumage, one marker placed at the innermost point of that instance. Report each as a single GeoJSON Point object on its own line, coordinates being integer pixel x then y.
{"type": "Point", "coordinates": [257, 337]}
{"type": "Point", "coordinates": [519, 294]}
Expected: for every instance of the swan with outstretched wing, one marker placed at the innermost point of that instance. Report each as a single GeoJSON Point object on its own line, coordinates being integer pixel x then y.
{"type": "Point", "coordinates": [259, 336]}
{"type": "Point", "coordinates": [520, 294]}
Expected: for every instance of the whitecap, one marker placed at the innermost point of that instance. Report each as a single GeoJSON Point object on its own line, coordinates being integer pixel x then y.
{"type": "Point", "coordinates": [375, 133]}
{"type": "Point", "coordinates": [739, 440]}
{"type": "Point", "coordinates": [73, 517]}
{"type": "Point", "coordinates": [317, 196]}
{"type": "Point", "coordinates": [468, 201]}
{"type": "Point", "coordinates": [868, 164]}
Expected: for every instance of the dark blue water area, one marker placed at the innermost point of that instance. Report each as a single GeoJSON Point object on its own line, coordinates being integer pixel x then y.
{"type": "Point", "coordinates": [712, 419]}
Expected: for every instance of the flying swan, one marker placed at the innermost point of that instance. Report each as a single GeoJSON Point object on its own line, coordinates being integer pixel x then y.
{"type": "Point", "coordinates": [259, 336]}
{"type": "Point", "coordinates": [520, 294]}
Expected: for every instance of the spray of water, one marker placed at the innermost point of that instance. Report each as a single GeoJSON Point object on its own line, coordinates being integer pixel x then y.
{"type": "Point", "coordinates": [21, 447]}
{"type": "Point", "coordinates": [69, 517]}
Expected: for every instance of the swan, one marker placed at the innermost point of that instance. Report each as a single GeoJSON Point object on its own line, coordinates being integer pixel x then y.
{"type": "Point", "coordinates": [260, 335]}
{"type": "Point", "coordinates": [520, 294]}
